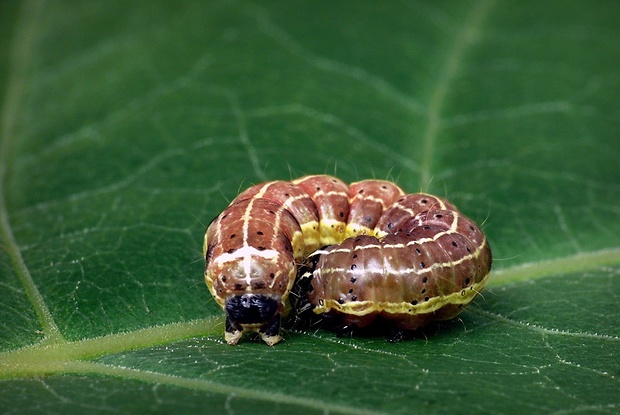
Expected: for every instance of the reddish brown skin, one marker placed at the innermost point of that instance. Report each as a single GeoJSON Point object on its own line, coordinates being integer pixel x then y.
{"type": "Point", "coordinates": [297, 201]}
{"type": "Point", "coordinates": [231, 277]}
{"type": "Point", "coordinates": [329, 195]}
{"type": "Point", "coordinates": [368, 200]}
{"type": "Point", "coordinates": [407, 207]}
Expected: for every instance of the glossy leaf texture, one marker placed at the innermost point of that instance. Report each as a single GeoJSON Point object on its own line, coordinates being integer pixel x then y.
{"type": "Point", "coordinates": [127, 126]}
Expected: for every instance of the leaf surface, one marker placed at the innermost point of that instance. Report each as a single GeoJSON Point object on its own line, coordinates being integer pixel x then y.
{"type": "Point", "coordinates": [126, 127]}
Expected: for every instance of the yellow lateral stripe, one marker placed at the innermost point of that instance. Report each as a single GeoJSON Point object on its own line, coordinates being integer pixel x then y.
{"type": "Point", "coordinates": [332, 231]}
{"type": "Point", "coordinates": [362, 308]}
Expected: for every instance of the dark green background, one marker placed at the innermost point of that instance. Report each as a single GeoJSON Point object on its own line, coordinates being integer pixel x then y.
{"type": "Point", "coordinates": [127, 126]}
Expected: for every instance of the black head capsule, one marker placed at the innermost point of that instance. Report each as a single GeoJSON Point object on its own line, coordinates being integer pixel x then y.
{"type": "Point", "coordinates": [256, 312]}
{"type": "Point", "coordinates": [251, 308]}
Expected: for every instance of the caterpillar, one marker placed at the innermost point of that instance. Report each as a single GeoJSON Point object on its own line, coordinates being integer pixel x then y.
{"type": "Point", "coordinates": [407, 259]}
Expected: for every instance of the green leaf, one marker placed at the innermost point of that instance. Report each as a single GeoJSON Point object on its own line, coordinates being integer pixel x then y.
{"type": "Point", "coordinates": [127, 126]}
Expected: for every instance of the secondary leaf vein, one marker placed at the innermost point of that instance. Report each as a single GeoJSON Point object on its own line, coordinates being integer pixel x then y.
{"type": "Point", "coordinates": [465, 38]}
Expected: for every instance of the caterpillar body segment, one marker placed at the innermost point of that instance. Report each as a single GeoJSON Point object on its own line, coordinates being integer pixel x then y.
{"type": "Point", "coordinates": [368, 200]}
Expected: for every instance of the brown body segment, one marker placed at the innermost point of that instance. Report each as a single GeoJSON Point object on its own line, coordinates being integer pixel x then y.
{"type": "Point", "coordinates": [331, 197]}
{"type": "Point", "coordinates": [407, 207]}
{"type": "Point", "coordinates": [368, 200]}
{"type": "Point", "coordinates": [250, 246]}
{"type": "Point", "coordinates": [299, 203]}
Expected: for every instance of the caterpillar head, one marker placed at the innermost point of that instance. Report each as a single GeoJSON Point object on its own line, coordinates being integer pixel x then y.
{"type": "Point", "coordinates": [253, 312]}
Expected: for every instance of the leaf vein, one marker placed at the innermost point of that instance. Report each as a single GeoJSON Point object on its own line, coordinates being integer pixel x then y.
{"type": "Point", "coordinates": [21, 54]}
{"type": "Point", "coordinates": [464, 39]}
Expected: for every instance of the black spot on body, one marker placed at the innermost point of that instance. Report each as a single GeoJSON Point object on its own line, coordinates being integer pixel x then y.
{"type": "Point", "coordinates": [208, 254]}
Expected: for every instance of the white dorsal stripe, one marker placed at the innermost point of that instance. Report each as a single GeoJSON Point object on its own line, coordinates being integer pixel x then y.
{"type": "Point", "coordinates": [363, 270]}
{"type": "Point", "coordinates": [246, 252]}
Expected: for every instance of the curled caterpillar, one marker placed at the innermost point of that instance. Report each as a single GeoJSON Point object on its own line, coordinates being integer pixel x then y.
{"type": "Point", "coordinates": [408, 259]}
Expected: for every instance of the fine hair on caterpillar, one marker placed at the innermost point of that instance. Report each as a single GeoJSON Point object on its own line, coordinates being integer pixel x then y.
{"type": "Point", "coordinates": [404, 259]}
